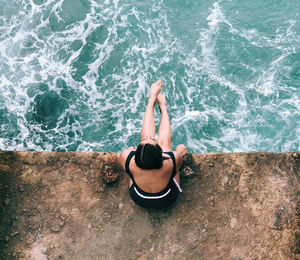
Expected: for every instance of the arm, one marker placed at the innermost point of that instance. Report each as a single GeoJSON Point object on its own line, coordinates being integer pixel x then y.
{"type": "Point", "coordinates": [124, 155]}
{"type": "Point", "coordinates": [179, 153]}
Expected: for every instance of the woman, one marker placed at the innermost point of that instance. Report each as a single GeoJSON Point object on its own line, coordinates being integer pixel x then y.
{"type": "Point", "coordinates": [152, 167]}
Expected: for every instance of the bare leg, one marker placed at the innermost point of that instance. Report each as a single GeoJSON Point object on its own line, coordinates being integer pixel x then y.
{"type": "Point", "coordinates": [148, 129]}
{"type": "Point", "coordinates": [164, 132]}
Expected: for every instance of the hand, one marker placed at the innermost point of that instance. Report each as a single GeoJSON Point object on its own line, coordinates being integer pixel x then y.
{"type": "Point", "coordinates": [181, 149]}
{"type": "Point", "coordinates": [155, 89]}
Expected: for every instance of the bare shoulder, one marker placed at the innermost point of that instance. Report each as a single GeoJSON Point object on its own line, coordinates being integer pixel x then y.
{"type": "Point", "coordinates": [178, 157]}
{"type": "Point", "coordinates": [124, 155]}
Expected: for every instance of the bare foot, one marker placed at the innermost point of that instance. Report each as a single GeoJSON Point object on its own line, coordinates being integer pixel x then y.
{"type": "Point", "coordinates": [155, 89]}
{"type": "Point", "coordinates": [161, 100]}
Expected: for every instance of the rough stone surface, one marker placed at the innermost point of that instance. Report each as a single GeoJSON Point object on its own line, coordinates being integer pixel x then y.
{"type": "Point", "coordinates": [77, 206]}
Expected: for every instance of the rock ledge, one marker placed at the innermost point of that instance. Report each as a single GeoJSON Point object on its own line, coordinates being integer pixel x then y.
{"type": "Point", "coordinates": [76, 206]}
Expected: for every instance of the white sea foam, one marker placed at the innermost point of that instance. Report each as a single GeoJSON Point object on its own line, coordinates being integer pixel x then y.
{"type": "Point", "coordinates": [107, 104]}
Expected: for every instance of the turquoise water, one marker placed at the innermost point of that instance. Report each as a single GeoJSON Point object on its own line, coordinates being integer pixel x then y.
{"type": "Point", "coordinates": [75, 74]}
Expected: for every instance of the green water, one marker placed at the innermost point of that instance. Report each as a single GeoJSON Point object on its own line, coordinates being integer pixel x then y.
{"type": "Point", "coordinates": [75, 74]}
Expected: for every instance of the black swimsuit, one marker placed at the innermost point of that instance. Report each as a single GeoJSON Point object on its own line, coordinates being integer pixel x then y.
{"type": "Point", "coordinates": [162, 199]}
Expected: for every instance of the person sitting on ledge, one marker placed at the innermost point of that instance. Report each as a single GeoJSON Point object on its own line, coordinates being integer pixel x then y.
{"type": "Point", "coordinates": [153, 167]}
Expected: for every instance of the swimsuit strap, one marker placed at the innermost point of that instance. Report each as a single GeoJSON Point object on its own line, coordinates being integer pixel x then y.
{"type": "Point", "coordinates": [131, 154]}
{"type": "Point", "coordinates": [174, 162]}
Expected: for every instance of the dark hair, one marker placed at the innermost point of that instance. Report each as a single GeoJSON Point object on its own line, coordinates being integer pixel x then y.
{"type": "Point", "coordinates": [149, 156]}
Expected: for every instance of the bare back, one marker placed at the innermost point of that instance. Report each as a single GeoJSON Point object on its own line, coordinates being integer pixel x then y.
{"type": "Point", "coordinates": [154, 180]}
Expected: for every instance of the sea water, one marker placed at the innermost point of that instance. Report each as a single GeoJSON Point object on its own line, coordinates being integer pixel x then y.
{"type": "Point", "coordinates": [75, 74]}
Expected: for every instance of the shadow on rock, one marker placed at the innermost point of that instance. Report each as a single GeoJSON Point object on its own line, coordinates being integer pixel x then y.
{"type": "Point", "coordinates": [189, 166]}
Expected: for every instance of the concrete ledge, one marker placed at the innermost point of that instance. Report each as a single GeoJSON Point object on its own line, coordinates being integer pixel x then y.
{"type": "Point", "coordinates": [77, 206]}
